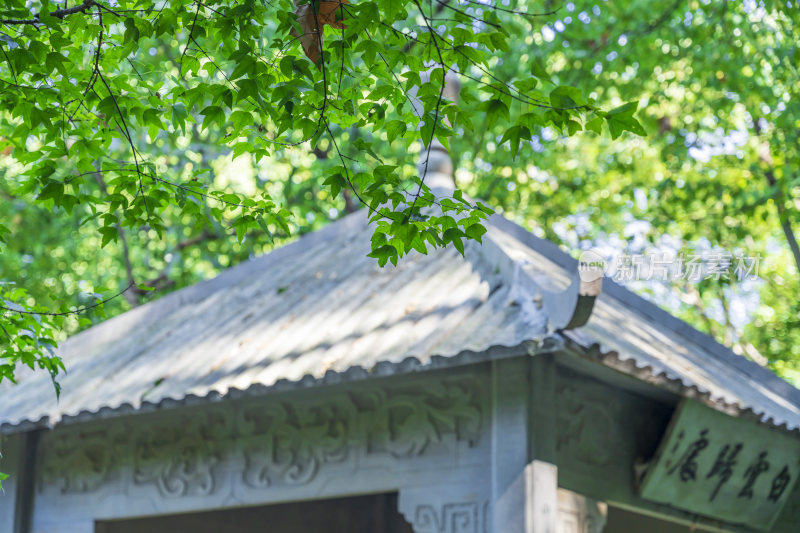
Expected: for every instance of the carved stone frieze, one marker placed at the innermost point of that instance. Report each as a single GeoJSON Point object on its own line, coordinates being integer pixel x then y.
{"type": "Point", "coordinates": [180, 458]}
{"type": "Point", "coordinates": [456, 517]}
{"type": "Point", "coordinates": [274, 441]}
{"type": "Point", "coordinates": [290, 441]}
{"type": "Point", "coordinates": [177, 467]}
{"type": "Point", "coordinates": [78, 461]}
{"type": "Point", "coordinates": [406, 423]}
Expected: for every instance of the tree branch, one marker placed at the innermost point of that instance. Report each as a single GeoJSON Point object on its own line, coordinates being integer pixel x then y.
{"type": "Point", "coordinates": [130, 296]}
{"type": "Point", "coordinates": [786, 226]}
{"type": "Point", "coordinates": [733, 337]}
{"type": "Point", "coordinates": [204, 236]}
{"type": "Point", "coordinates": [58, 13]}
{"type": "Point", "coordinates": [691, 297]}
{"type": "Point", "coordinates": [769, 173]}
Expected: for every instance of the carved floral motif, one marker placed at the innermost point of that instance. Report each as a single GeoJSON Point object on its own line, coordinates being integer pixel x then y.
{"type": "Point", "coordinates": [78, 461]}
{"type": "Point", "coordinates": [180, 458]}
{"type": "Point", "coordinates": [406, 423]}
{"type": "Point", "coordinates": [177, 464]}
{"type": "Point", "coordinates": [290, 442]}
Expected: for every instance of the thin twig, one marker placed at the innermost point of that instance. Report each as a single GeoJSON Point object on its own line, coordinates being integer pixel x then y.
{"type": "Point", "coordinates": [191, 31]}
{"type": "Point", "coordinates": [438, 106]}
{"type": "Point", "coordinates": [67, 313]}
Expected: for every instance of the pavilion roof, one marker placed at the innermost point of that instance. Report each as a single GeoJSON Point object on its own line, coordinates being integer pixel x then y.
{"type": "Point", "coordinates": [319, 311]}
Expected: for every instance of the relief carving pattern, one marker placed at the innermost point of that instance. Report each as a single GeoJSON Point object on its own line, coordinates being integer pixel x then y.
{"type": "Point", "coordinates": [290, 442]}
{"type": "Point", "coordinates": [281, 442]}
{"type": "Point", "coordinates": [468, 517]}
{"type": "Point", "coordinates": [177, 464]}
{"type": "Point", "coordinates": [78, 461]}
{"type": "Point", "coordinates": [405, 424]}
{"type": "Point", "coordinates": [180, 458]}
{"type": "Point", "coordinates": [587, 428]}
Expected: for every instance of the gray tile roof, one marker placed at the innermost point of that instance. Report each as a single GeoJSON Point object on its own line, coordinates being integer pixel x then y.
{"type": "Point", "coordinates": [319, 311]}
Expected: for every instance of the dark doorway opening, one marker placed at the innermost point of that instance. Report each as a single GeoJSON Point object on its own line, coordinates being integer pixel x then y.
{"type": "Point", "coordinates": [375, 513]}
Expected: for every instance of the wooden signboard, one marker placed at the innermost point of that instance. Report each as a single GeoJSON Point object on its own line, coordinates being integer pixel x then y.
{"type": "Point", "coordinates": [723, 467]}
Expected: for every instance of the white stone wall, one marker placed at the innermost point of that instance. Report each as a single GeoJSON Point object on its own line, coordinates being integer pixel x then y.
{"type": "Point", "coordinates": [325, 443]}
{"type": "Point", "coordinates": [451, 444]}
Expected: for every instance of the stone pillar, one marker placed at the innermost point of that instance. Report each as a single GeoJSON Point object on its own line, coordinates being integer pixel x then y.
{"type": "Point", "coordinates": [525, 493]}
{"type": "Point", "coordinates": [524, 475]}
{"type": "Point", "coordinates": [19, 462]}
{"type": "Point", "coordinates": [579, 514]}
{"type": "Point", "coordinates": [10, 450]}
{"type": "Point", "coordinates": [530, 503]}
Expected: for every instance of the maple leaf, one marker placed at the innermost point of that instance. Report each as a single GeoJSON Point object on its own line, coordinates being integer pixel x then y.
{"type": "Point", "coordinates": [312, 18]}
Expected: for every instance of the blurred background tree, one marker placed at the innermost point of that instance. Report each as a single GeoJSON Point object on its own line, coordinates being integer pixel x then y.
{"type": "Point", "coordinates": [719, 171]}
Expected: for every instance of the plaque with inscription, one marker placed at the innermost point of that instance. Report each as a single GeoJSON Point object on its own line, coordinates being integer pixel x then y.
{"type": "Point", "coordinates": [723, 467]}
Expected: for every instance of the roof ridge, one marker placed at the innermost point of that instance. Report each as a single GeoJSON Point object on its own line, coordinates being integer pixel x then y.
{"type": "Point", "coordinates": [554, 253]}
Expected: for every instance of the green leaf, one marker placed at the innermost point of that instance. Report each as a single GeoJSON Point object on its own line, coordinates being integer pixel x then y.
{"type": "Point", "coordinates": [131, 31]}
{"type": "Point", "coordinates": [109, 234]}
{"type": "Point", "coordinates": [262, 223]}
{"type": "Point", "coordinates": [46, 18]}
{"type": "Point", "coordinates": [247, 89]}
{"type": "Point", "coordinates": [475, 231]}
{"type": "Point", "coordinates": [55, 61]}
{"type": "Point", "coordinates": [496, 110]}
{"type": "Point", "coordinates": [384, 254]}
{"type": "Point", "coordinates": [245, 67]}
{"type": "Point", "coordinates": [454, 235]}
{"type": "Point", "coordinates": [621, 119]}
{"type": "Point", "coordinates": [526, 85]}
{"type": "Point", "coordinates": [286, 65]}
{"type": "Point", "coordinates": [336, 182]}
{"type": "Point", "coordinates": [564, 96]}
{"type": "Point", "coordinates": [595, 124]}
{"type": "Point", "coordinates": [179, 116]}
{"type": "Point", "coordinates": [394, 129]}
{"type": "Point", "coordinates": [213, 114]}
{"type": "Point", "coordinates": [514, 135]}
{"type": "Point", "coordinates": [538, 69]}
{"type": "Point", "coordinates": [573, 127]}
{"type": "Point", "coordinates": [53, 190]}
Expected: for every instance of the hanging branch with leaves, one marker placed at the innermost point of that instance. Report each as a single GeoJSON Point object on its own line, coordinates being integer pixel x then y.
{"type": "Point", "coordinates": [261, 78]}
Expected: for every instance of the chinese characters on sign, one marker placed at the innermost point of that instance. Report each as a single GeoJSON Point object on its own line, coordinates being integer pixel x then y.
{"type": "Point", "coordinates": [723, 467]}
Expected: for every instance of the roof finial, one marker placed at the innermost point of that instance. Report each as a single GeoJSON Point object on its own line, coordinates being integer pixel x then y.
{"type": "Point", "coordinates": [439, 174]}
